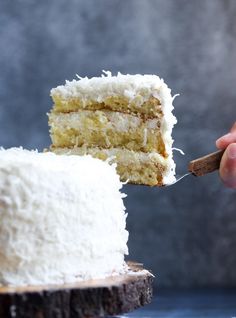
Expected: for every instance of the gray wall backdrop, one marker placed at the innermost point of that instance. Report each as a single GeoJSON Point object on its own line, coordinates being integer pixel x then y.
{"type": "Point", "coordinates": [185, 233]}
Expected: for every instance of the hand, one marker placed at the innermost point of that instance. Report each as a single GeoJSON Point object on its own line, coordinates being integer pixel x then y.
{"type": "Point", "coordinates": [228, 161]}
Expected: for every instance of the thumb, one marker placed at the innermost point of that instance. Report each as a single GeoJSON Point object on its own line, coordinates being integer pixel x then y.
{"type": "Point", "coordinates": [228, 166]}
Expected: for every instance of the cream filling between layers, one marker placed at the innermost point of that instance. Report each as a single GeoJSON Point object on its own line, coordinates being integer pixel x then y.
{"type": "Point", "coordinates": [106, 129]}
{"type": "Point", "coordinates": [114, 120]}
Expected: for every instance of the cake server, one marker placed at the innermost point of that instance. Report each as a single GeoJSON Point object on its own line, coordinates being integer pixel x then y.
{"type": "Point", "coordinates": [203, 165]}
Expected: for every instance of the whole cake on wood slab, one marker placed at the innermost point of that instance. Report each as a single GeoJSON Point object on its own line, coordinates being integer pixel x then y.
{"type": "Point", "coordinates": [126, 117]}
{"type": "Point", "coordinates": [63, 239]}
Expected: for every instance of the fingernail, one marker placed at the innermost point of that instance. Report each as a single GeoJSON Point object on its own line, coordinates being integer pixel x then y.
{"type": "Point", "coordinates": [233, 127]}
{"type": "Point", "coordinates": [231, 151]}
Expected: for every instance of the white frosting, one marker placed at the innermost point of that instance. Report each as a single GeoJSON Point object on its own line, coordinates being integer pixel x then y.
{"type": "Point", "coordinates": [62, 218]}
{"type": "Point", "coordinates": [138, 88]}
{"type": "Point", "coordinates": [179, 150]}
{"type": "Point", "coordinates": [167, 124]}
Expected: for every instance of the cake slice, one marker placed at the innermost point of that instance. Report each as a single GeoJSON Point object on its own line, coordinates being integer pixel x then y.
{"type": "Point", "coordinates": [127, 118]}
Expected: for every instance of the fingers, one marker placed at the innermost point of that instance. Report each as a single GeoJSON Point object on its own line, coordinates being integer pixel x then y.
{"type": "Point", "coordinates": [228, 161]}
{"type": "Point", "coordinates": [227, 139]}
{"type": "Point", "coordinates": [228, 166]}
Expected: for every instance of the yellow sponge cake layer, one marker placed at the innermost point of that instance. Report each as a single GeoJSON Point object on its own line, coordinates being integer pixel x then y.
{"type": "Point", "coordinates": [149, 109]}
{"type": "Point", "coordinates": [139, 94]}
{"type": "Point", "coordinates": [106, 129]}
{"type": "Point", "coordinates": [136, 167]}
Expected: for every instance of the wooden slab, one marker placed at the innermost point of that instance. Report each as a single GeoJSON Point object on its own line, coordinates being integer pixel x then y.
{"type": "Point", "coordinates": [88, 299]}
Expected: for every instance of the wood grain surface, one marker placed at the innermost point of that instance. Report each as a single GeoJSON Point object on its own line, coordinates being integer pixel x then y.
{"type": "Point", "coordinates": [88, 299]}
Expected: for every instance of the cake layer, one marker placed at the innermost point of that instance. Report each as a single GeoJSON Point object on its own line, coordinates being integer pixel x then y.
{"type": "Point", "coordinates": [62, 218]}
{"type": "Point", "coordinates": [135, 167]}
{"type": "Point", "coordinates": [106, 129]}
{"type": "Point", "coordinates": [142, 94]}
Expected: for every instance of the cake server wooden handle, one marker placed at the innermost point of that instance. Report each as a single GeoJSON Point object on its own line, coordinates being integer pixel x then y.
{"type": "Point", "coordinates": [209, 163]}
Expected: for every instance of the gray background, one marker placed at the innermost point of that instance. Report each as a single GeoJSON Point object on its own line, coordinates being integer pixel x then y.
{"type": "Point", "coordinates": [185, 233]}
